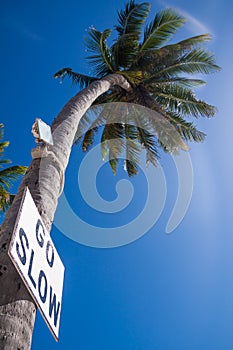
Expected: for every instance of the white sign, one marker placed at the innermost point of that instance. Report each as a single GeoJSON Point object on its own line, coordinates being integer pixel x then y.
{"type": "Point", "coordinates": [45, 132]}
{"type": "Point", "coordinates": [38, 263]}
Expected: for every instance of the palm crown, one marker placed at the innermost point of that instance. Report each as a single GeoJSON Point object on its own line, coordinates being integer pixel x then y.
{"type": "Point", "coordinates": [7, 175]}
{"type": "Point", "coordinates": [161, 77]}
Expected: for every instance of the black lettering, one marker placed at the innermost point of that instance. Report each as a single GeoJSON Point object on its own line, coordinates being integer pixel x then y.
{"type": "Point", "coordinates": [44, 294]}
{"type": "Point", "coordinates": [22, 235]}
{"type": "Point", "coordinates": [30, 269]}
{"type": "Point", "coordinates": [40, 233]}
{"type": "Point", "coordinates": [53, 306]}
{"type": "Point", "coordinates": [50, 259]}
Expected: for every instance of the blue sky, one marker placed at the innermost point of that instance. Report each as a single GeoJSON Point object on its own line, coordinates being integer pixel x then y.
{"type": "Point", "coordinates": [162, 292]}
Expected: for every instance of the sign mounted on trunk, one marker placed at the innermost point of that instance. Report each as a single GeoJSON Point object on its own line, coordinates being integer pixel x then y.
{"type": "Point", "coordinates": [38, 263]}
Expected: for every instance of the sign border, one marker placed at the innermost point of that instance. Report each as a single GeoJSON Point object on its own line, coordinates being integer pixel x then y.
{"type": "Point", "coordinates": [26, 189]}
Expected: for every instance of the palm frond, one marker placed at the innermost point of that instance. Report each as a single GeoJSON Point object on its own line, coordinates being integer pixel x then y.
{"type": "Point", "coordinates": [175, 98]}
{"type": "Point", "coordinates": [62, 73]}
{"type": "Point", "coordinates": [88, 139]}
{"type": "Point", "coordinates": [186, 129]}
{"type": "Point", "coordinates": [139, 117]}
{"type": "Point", "coordinates": [154, 120]}
{"type": "Point", "coordinates": [100, 60]}
{"type": "Point", "coordinates": [132, 151]}
{"type": "Point", "coordinates": [152, 58]}
{"type": "Point", "coordinates": [196, 61]}
{"type": "Point", "coordinates": [124, 51]}
{"type": "Point", "coordinates": [1, 131]}
{"type": "Point", "coordinates": [10, 174]}
{"type": "Point", "coordinates": [6, 199]}
{"type": "Point", "coordinates": [131, 19]}
{"type": "Point", "coordinates": [181, 46]}
{"type": "Point", "coordinates": [4, 161]}
{"type": "Point", "coordinates": [3, 145]}
{"type": "Point", "coordinates": [189, 43]}
{"type": "Point", "coordinates": [81, 80]}
{"type": "Point", "coordinates": [161, 29]}
{"type": "Point", "coordinates": [148, 141]}
{"type": "Point", "coordinates": [94, 119]}
{"type": "Point", "coordinates": [112, 143]}
{"type": "Point", "coordinates": [186, 82]}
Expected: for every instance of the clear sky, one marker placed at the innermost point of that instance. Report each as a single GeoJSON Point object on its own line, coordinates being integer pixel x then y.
{"type": "Point", "coordinates": [163, 291]}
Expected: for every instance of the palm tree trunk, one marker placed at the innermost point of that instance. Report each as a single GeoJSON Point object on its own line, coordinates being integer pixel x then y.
{"type": "Point", "coordinates": [44, 178]}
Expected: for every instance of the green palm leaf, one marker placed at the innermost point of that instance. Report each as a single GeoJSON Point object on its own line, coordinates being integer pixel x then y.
{"type": "Point", "coordinates": [132, 149]}
{"type": "Point", "coordinates": [160, 31]}
{"type": "Point", "coordinates": [100, 60]}
{"type": "Point", "coordinates": [150, 60]}
{"type": "Point", "coordinates": [179, 47]}
{"type": "Point", "coordinates": [168, 138]}
{"type": "Point", "coordinates": [112, 143]}
{"type": "Point", "coordinates": [196, 61]}
{"type": "Point", "coordinates": [94, 119]}
{"type": "Point", "coordinates": [1, 131]}
{"type": "Point", "coordinates": [186, 129]}
{"type": "Point", "coordinates": [186, 82]}
{"type": "Point", "coordinates": [80, 79]}
{"type": "Point", "coordinates": [11, 174]}
{"type": "Point", "coordinates": [4, 161]}
{"type": "Point", "coordinates": [3, 145]}
{"type": "Point", "coordinates": [124, 51]}
{"type": "Point", "coordinates": [6, 199]}
{"type": "Point", "coordinates": [7, 175]}
{"type": "Point", "coordinates": [183, 101]}
{"type": "Point", "coordinates": [188, 43]}
{"type": "Point", "coordinates": [144, 132]}
{"type": "Point", "coordinates": [131, 19]}
{"type": "Point", "coordinates": [148, 141]}
{"type": "Point", "coordinates": [88, 139]}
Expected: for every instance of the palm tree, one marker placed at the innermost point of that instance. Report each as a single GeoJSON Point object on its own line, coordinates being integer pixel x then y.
{"type": "Point", "coordinates": [159, 75]}
{"type": "Point", "coordinates": [145, 72]}
{"type": "Point", "coordinates": [7, 175]}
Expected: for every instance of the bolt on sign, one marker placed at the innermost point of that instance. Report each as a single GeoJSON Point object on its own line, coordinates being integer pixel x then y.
{"type": "Point", "coordinates": [38, 263]}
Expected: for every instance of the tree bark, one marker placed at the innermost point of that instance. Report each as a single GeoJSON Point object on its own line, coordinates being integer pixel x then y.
{"type": "Point", "coordinates": [44, 178]}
